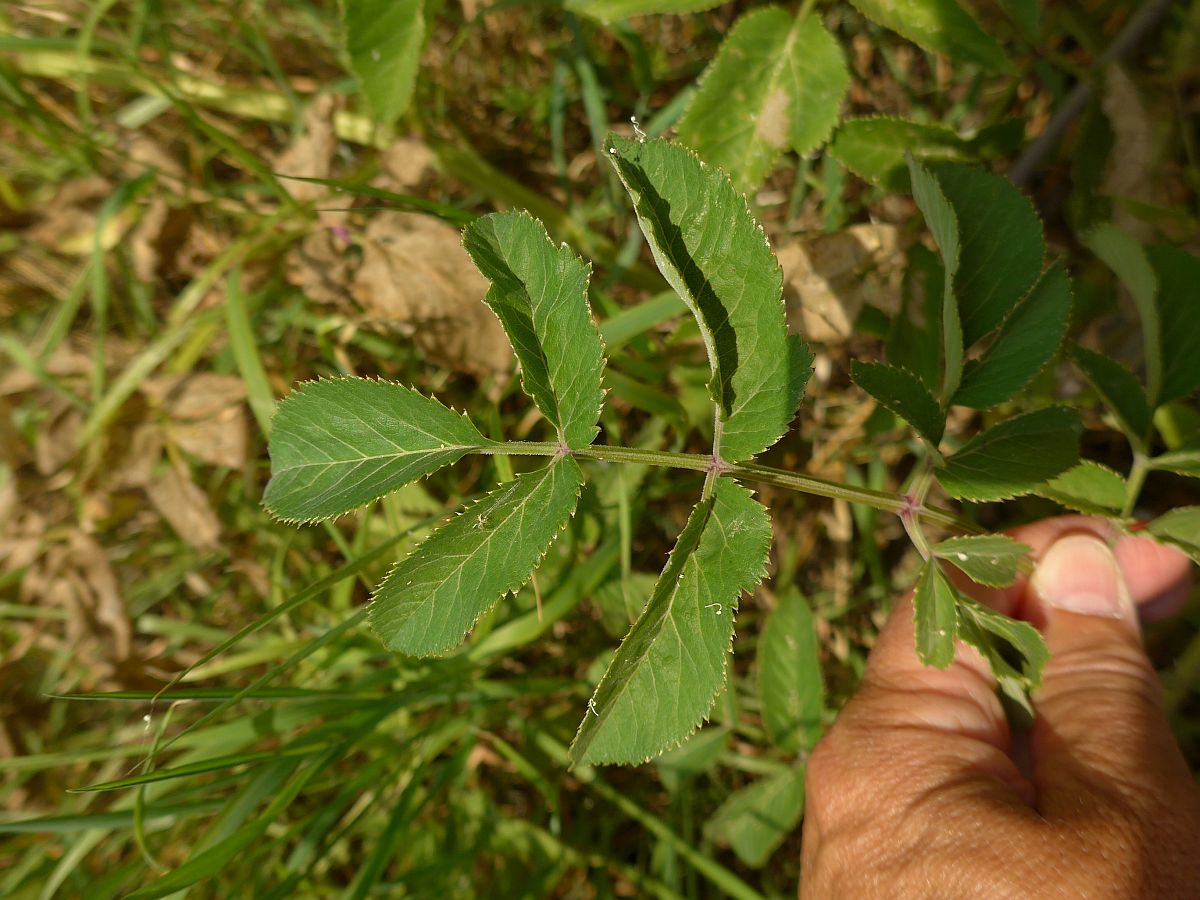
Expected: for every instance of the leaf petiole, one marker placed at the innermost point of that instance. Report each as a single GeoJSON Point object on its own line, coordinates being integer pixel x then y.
{"type": "Point", "coordinates": [793, 481]}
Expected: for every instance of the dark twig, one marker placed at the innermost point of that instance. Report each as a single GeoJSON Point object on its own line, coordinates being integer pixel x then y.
{"type": "Point", "coordinates": [1137, 29]}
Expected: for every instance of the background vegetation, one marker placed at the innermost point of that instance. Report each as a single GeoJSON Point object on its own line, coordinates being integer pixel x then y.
{"type": "Point", "coordinates": [162, 283]}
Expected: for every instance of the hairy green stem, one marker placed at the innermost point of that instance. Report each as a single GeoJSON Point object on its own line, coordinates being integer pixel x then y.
{"type": "Point", "coordinates": [696, 462]}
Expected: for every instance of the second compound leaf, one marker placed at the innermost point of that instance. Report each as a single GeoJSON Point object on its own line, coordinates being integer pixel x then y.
{"type": "Point", "coordinates": [1027, 340]}
{"type": "Point", "coordinates": [989, 559]}
{"type": "Point", "coordinates": [1088, 487]}
{"type": "Point", "coordinates": [431, 599]}
{"type": "Point", "coordinates": [943, 224]}
{"type": "Point", "coordinates": [1118, 388]}
{"type": "Point", "coordinates": [1122, 253]}
{"type": "Point", "coordinates": [904, 394]}
{"type": "Point", "coordinates": [1178, 276]}
{"type": "Point", "coordinates": [1014, 457]}
{"type": "Point", "coordinates": [539, 294]}
{"type": "Point", "coordinates": [662, 682]}
{"type": "Point", "coordinates": [340, 443]}
{"type": "Point", "coordinates": [717, 258]}
{"type": "Point", "coordinates": [1001, 245]}
{"type": "Point", "coordinates": [1180, 527]}
{"type": "Point", "coordinates": [934, 616]}
{"type": "Point", "coordinates": [1014, 650]}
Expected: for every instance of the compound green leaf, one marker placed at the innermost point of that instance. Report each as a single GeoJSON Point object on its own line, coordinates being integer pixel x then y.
{"type": "Point", "coordinates": [1126, 257]}
{"type": "Point", "coordinates": [874, 147]}
{"type": "Point", "coordinates": [668, 670]}
{"type": "Point", "coordinates": [614, 10]}
{"type": "Point", "coordinates": [1089, 488]}
{"type": "Point", "coordinates": [989, 559]}
{"type": "Point", "coordinates": [1178, 274]}
{"type": "Point", "coordinates": [1182, 461]}
{"type": "Point", "coordinates": [383, 43]}
{"type": "Point", "coordinates": [904, 394]}
{"type": "Point", "coordinates": [1180, 527]}
{"type": "Point", "coordinates": [1014, 457]}
{"type": "Point", "coordinates": [1001, 243]}
{"type": "Point", "coordinates": [717, 258]}
{"type": "Point", "coordinates": [1002, 642]}
{"type": "Point", "coordinates": [934, 616]}
{"type": "Point", "coordinates": [791, 690]}
{"type": "Point", "coordinates": [1118, 388]}
{"type": "Point", "coordinates": [339, 444]}
{"type": "Point", "coordinates": [756, 819]}
{"type": "Point", "coordinates": [938, 25]}
{"type": "Point", "coordinates": [539, 294]}
{"type": "Point", "coordinates": [431, 599]}
{"type": "Point", "coordinates": [1028, 339]}
{"type": "Point", "coordinates": [776, 84]}
{"type": "Point", "coordinates": [943, 223]}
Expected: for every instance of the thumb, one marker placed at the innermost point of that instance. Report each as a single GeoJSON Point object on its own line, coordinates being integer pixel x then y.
{"type": "Point", "coordinates": [1100, 731]}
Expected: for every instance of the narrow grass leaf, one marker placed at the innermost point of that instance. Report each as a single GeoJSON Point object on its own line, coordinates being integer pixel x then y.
{"type": "Point", "coordinates": [1119, 389]}
{"type": "Point", "coordinates": [943, 224]}
{"type": "Point", "coordinates": [244, 345]}
{"type": "Point", "coordinates": [1002, 248]}
{"type": "Point", "coordinates": [539, 294]}
{"type": "Point", "coordinates": [941, 26]}
{"type": "Point", "coordinates": [874, 148]}
{"type": "Point", "coordinates": [341, 443]}
{"type": "Point", "coordinates": [383, 44]}
{"type": "Point", "coordinates": [1014, 457]}
{"type": "Point", "coordinates": [1127, 258]}
{"type": "Point", "coordinates": [776, 84]}
{"type": "Point", "coordinates": [607, 11]}
{"type": "Point", "coordinates": [431, 599]}
{"type": "Point", "coordinates": [1089, 487]}
{"type": "Point", "coordinates": [1014, 650]}
{"type": "Point", "coordinates": [934, 616]}
{"type": "Point", "coordinates": [904, 394]}
{"type": "Point", "coordinates": [1178, 274]}
{"type": "Point", "coordinates": [989, 559]}
{"type": "Point", "coordinates": [667, 672]}
{"type": "Point", "coordinates": [717, 258]}
{"type": "Point", "coordinates": [756, 819]}
{"type": "Point", "coordinates": [1027, 341]}
{"type": "Point", "coordinates": [791, 690]}
{"type": "Point", "coordinates": [1180, 527]}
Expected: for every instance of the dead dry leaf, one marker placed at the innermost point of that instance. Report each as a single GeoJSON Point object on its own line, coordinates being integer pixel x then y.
{"type": "Point", "coordinates": [135, 466]}
{"type": "Point", "coordinates": [101, 593]}
{"type": "Point", "coordinates": [185, 507]}
{"type": "Point", "coordinates": [56, 439]}
{"type": "Point", "coordinates": [205, 415]}
{"type": "Point", "coordinates": [311, 154]}
{"type": "Point", "coordinates": [829, 278]}
{"type": "Point", "coordinates": [321, 268]}
{"type": "Point", "coordinates": [416, 276]}
{"type": "Point", "coordinates": [404, 165]}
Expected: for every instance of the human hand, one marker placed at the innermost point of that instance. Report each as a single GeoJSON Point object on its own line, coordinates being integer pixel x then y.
{"type": "Point", "coordinates": [920, 791]}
